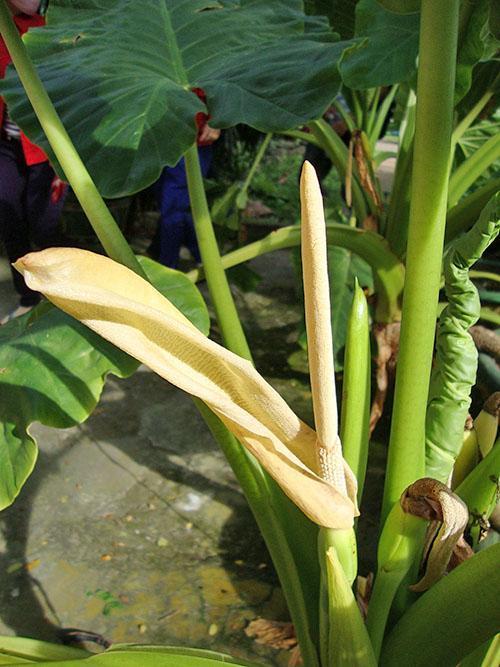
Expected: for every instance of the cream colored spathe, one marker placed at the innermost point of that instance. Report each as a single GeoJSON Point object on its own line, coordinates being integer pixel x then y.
{"type": "Point", "coordinates": [128, 311]}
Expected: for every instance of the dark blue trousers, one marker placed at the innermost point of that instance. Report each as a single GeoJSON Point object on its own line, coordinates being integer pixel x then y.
{"type": "Point", "coordinates": [176, 226]}
{"type": "Point", "coordinates": [28, 218]}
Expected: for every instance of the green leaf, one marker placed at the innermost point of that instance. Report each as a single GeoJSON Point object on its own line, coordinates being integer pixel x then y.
{"type": "Point", "coordinates": [389, 51]}
{"type": "Point", "coordinates": [473, 45]}
{"type": "Point", "coordinates": [34, 650]}
{"type": "Point", "coordinates": [344, 267]}
{"type": "Point", "coordinates": [121, 74]}
{"type": "Point", "coordinates": [340, 13]}
{"type": "Point", "coordinates": [180, 651]}
{"type": "Point", "coordinates": [451, 619]}
{"type": "Point", "coordinates": [455, 369]}
{"type": "Point", "coordinates": [224, 210]}
{"type": "Point", "coordinates": [53, 369]}
{"type": "Point", "coordinates": [129, 655]}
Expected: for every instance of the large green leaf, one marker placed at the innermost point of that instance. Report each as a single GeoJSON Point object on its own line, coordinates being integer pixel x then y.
{"type": "Point", "coordinates": [121, 74]}
{"type": "Point", "coordinates": [344, 267]}
{"type": "Point", "coordinates": [476, 43]}
{"type": "Point", "coordinates": [340, 13]}
{"type": "Point", "coordinates": [125, 655]}
{"type": "Point", "coordinates": [389, 52]}
{"type": "Point", "coordinates": [53, 369]}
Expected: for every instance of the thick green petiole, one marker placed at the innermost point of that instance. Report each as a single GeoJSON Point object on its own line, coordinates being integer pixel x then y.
{"type": "Point", "coordinates": [255, 484]}
{"type": "Point", "coordinates": [480, 490]}
{"type": "Point", "coordinates": [387, 269]}
{"type": "Point", "coordinates": [225, 309]}
{"type": "Point", "coordinates": [434, 115]}
{"type": "Point", "coordinates": [76, 173]}
{"type": "Point", "coordinates": [451, 619]}
{"type": "Point", "coordinates": [398, 546]}
{"type": "Point", "coordinates": [472, 168]}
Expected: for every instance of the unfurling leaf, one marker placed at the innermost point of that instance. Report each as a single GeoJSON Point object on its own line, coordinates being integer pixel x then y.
{"type": "Point", "coordinates": [129, 312]}
{"type": "Point", "coordinates": [430, 499]}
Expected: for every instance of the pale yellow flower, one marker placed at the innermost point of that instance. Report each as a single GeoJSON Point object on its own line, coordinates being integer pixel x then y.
{"type": "Point", "coordinates": [128, 311]}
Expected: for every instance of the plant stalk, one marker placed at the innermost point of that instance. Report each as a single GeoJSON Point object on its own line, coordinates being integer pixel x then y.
{"type": "Point", "coordinates": [387, 269]}
{"type": "Point", "coordinates": [333, 146]}
{"type": "Point", "coordinates": [431, 157]}
{"type": "Point", "coordinates": [225, 309]}
{"type": "Point", "coordinates": [472, 168]}
{"type": "Point", "coordinates": [257, 160]}
{"type": "Point", "coordinates": [467, 120]}
{"type": "Point", "coordinates": [451, 619]}
{"type": "Point", "coordinates": [382, 112]}
{"type": "Point", "coordinates": [254, 482]}
{"type": "Point", "coordinates": [103, 223]}
{"type": "Point", "coordinates": [396, 230]}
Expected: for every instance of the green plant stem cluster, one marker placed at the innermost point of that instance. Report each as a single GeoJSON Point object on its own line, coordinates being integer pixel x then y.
{"type": "Point", "coordinates": [317, 567]}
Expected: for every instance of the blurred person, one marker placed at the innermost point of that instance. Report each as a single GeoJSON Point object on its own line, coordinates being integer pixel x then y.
{"type": "Point", "coordinates": [176, 226]}
{"type": "Point", "coordinates": [31, 196]}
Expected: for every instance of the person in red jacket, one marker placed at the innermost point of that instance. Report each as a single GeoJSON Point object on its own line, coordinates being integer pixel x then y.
{"type": "Point", "coordinates": [30, 194]}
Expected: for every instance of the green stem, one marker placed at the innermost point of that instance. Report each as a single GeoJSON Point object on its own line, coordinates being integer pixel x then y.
{"type": "Point", "coordinates": [462, 216]}
{"type": "Point", "coordinates": [257, 160]}
{"type": "Point", "coordinates": [345, 115]}
{"type": "Point", "coordinates": [398, 546]}
{"type": "Point", "coordinates": [100, 218]}
{"type": "Point", "coordinates": [254, 481]}
{"type": "Point", "coordinates": [467, 120]}
{"type": "Point", "coordinates": [435, 90]}
{"type": "Point", "coordinates": [301, 135]}
{"type": "Point", "coordinates": [358, 109]}
{"type": "Point", "coordinates": [336, 150]}
{"type": "Point", "coordinates": [225, 309]}
{"type": "Point", "coordinates": [484, 275]}
{"type": "Point", "coordinates": [372, 114]}
{"type": "Point", "coordinates": [382, 114]}
{"type": "Point", "coordinates": [472, 168]}
{"type": "Point", "coordinates": [451, 619]}
{"type": "Point", "coordinates": [388, 270]}
{"type": "Point", "coordinates": [396, 231]}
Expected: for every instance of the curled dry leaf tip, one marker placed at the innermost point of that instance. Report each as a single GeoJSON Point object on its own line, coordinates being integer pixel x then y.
{"type": "Point", "coordinates": [433, 501]}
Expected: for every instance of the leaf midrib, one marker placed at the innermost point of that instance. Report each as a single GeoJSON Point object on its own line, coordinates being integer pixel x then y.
{"type": "Point", "coordinates": [173, 47]}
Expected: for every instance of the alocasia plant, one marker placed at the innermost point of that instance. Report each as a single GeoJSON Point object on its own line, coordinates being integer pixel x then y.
{"type": "Point", "coordinates": [308, 466]}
